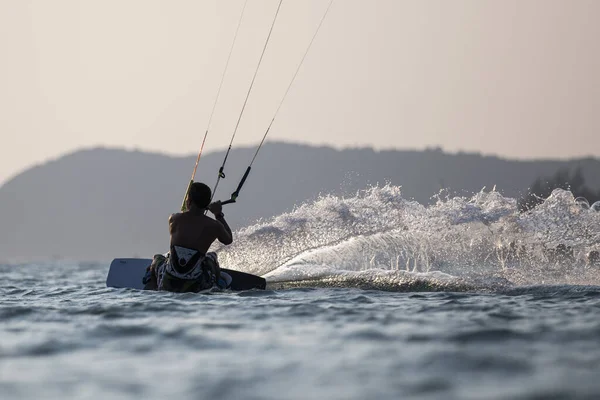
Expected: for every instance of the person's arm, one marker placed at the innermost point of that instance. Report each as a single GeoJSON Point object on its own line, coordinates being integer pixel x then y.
{"type": "Point", "coordinates": [172, 219]}
{"type": "Point", "coordinates": [224, 231]}
{"type": "Point", "coordinates": [225, 235]}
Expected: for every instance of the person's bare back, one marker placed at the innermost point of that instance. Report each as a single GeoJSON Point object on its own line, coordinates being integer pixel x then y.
{"type": "Point", "coordinates": [194, 230]}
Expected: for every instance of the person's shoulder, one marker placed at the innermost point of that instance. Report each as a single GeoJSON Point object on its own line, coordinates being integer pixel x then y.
{"type": "Point", "coordinates": [214, 222]}
{"type": "Point", "coordinates": [174, 216]}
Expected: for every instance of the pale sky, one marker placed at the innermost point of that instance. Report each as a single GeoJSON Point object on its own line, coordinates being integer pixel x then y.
{"type": "Point", "coordinates": [516, 78]}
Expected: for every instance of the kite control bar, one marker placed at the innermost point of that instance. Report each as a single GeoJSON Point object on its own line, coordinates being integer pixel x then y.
{"type": "Point", "coordinates": [235, 194]}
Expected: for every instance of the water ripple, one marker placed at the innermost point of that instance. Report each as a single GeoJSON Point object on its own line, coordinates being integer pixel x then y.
{"type": "Point", "coordinates": [335, 342]}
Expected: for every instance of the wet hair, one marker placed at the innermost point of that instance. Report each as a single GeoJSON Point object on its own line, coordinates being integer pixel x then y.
{"type": "Point", "coordinates": [199, 194]}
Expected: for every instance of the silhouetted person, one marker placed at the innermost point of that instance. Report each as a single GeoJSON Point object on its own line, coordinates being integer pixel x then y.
{"type": "Point", "coordinates": [189, 267]}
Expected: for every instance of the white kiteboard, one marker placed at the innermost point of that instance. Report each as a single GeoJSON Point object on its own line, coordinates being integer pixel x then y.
{"type": "Point", "coordinates": [129, 273]}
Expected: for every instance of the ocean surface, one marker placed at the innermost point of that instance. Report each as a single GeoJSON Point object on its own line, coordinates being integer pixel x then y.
{"type": "Point", "coordinates": [369, 297]}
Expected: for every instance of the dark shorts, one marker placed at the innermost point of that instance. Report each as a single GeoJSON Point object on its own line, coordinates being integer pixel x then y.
{"type": "Point", "coordinates": [161, 275]}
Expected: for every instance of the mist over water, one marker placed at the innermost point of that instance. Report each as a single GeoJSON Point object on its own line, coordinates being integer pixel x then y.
{"type": "Point", "coordinates": [378, 239]}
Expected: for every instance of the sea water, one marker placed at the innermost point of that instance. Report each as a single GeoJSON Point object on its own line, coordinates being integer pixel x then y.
{"type": "Point", "coordinates": [372, 296]}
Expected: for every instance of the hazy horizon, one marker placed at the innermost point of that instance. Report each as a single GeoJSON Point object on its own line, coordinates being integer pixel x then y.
{"type": "Point", "coordinates": [253, 145]}
{"type": "Point", "coordinates": [513, 79]}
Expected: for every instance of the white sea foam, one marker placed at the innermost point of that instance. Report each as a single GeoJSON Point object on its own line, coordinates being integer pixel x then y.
{"type": "Point", "coordinates": [481, 236]}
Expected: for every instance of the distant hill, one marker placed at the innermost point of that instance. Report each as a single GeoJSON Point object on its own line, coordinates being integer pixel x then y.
{"type": "Point", "coordinates": [100, 203]}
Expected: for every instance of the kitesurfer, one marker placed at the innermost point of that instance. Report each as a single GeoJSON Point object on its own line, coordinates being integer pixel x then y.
{"type": "Point", "coordinates": [189, 267]}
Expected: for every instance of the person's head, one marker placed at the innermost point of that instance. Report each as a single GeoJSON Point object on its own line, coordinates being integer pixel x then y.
{"type": "Point", "coordinates": [199, 195]}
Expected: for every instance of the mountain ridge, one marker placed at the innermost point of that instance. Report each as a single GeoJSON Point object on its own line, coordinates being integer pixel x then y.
{"type": "Point", "coordinates": [99, 203]}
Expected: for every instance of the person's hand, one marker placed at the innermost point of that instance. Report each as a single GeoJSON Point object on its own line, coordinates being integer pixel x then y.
{"type": "Point", "coordinates": [216, 208]}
